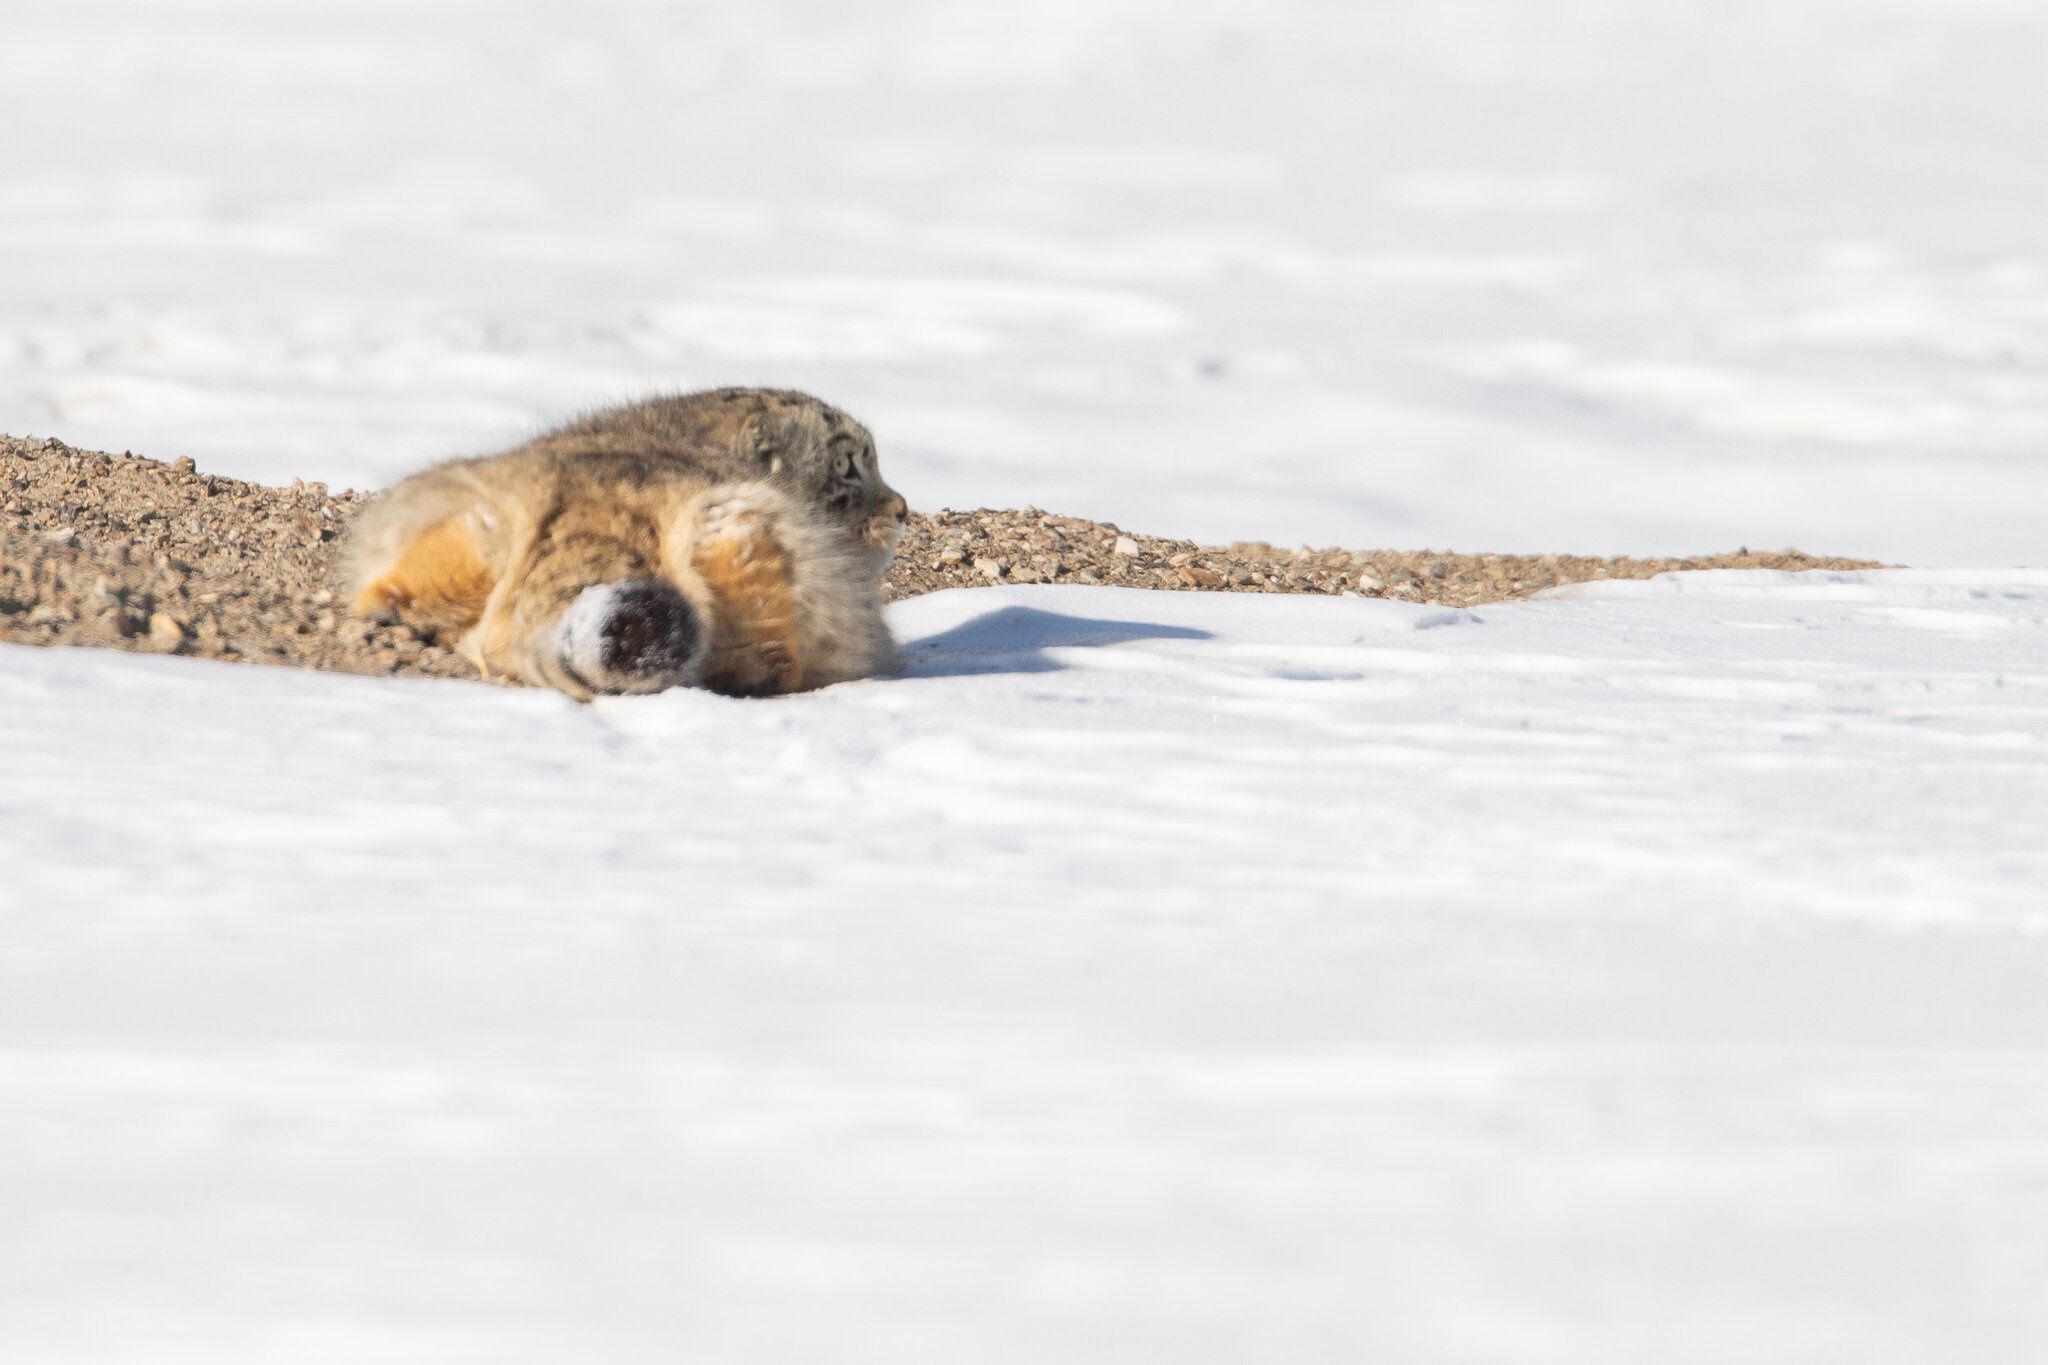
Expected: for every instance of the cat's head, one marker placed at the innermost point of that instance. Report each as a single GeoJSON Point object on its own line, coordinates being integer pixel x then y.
{"type": "Point", "coordinates": [826, 458]}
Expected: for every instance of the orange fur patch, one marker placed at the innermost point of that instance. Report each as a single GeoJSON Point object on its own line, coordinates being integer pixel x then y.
{"type": "Point", "coordinates": [442, 575]}
{"type": "Point", "coordinates": [755, 649]}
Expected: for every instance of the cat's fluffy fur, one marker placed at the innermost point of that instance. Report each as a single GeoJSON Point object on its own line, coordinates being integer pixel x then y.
{"type": "Point", "coordinates": [734, 539]}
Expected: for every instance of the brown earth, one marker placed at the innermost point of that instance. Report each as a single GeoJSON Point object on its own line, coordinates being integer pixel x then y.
{"type": "Point", "coordinates": [127, 553]}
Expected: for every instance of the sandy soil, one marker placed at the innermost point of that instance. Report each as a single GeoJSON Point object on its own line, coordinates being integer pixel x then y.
{"type": "Point", "coordinates": [125, 552]}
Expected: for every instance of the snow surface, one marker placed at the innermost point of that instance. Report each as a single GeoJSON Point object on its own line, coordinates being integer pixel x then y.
{"type": "Point", "coordinates": [1665, 276]}
{"type": "Point", "coordinates": [1649, 972]}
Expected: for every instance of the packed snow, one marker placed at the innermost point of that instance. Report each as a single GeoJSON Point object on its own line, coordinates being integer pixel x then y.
{"type": "Point", "coordinates": [1655, 277]}
{"type": "Point", "coordinates": [1649, 971]}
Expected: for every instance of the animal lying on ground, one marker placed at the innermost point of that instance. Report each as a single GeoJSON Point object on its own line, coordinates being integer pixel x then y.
{"type": "Point", "coordinates": [734, 539]}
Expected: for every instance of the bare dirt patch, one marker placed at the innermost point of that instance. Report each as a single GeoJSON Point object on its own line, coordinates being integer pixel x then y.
{"type": "Point", "coordinates": [125, 552]}
{"type": "Point", "coordinates": [969, 549]}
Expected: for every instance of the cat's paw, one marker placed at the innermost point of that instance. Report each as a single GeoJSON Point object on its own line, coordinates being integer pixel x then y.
{"type": "Point", "coordinates": [736, 555]}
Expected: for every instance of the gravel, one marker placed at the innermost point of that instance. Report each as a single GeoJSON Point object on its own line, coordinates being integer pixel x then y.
{"type": "Point", "coordinates": [124, 552]}
{"type": "Point", "coordinates": [950, 549]}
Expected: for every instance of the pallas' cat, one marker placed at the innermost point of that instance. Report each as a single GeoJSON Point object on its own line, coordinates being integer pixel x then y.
{"type": "Point", "coordinates": [734, 539]}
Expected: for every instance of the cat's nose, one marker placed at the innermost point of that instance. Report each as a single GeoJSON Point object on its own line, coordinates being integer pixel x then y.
{"type": "Point", "coordinates": [887, 523]}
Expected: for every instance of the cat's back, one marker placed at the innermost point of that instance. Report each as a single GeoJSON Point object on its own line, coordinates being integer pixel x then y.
{"type": "Point", "coordinates": [718, 430]}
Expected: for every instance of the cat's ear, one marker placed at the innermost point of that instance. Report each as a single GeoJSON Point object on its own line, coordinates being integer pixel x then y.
{"type": "Point", "coordinates": [762, 440]}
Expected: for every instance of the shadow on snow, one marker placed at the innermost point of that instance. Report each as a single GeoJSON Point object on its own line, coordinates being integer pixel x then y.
{"type": "Point", "coordinates": [1012, 640]}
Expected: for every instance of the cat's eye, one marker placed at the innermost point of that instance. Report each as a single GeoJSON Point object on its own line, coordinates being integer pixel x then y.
{"type": "Point", "coordinates": [842, 464]}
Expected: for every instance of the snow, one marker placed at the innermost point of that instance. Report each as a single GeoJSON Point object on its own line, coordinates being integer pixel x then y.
{"type": "Point", "coordinates": [1651, 278]}
{"type": "Point", "coordinates": [1646, 972]}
